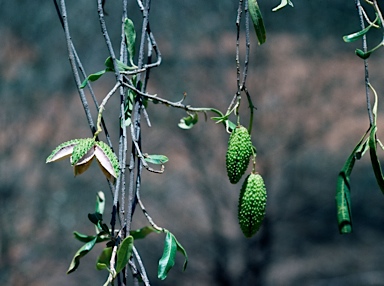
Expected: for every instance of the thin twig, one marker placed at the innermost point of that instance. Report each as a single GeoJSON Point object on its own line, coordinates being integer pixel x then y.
{"type": "Point", "coordinates": [366, 71]}
{"type": "Point", "coordinates": [74, 67]}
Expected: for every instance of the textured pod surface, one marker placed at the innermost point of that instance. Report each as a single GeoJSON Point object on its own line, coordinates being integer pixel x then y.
{"type": "Point", "coordinates": [81, 149]}
{"type": "Point", "coordinates": [62, 151]}
{"type": "Point", "coordinates": [107, 159]}
{"type": "Point", "coordinates": [252, 203]}
{"type": "Point", "coordinates": [238, 153]}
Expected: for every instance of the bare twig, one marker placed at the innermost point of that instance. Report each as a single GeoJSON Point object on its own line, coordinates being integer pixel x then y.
{"type": "Point", "coordinates": [366, 71]}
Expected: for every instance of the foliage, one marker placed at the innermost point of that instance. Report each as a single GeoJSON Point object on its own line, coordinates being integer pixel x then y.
{"type": "Point", "coordinates": [131, 72]}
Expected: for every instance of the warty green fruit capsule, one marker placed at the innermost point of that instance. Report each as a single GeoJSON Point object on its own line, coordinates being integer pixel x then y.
{"type": "Point", "coordinates": [252, 204]}
{"type": "Point", "coordinates": [238, 153]}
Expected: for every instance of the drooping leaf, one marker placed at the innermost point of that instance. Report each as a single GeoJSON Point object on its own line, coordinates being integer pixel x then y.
{"type": "Point", "coordinates": [124, 253]}
{"type": "Point", "coordinates": [79, 254]}
{"type": "Point", "coordinates": [96, 218]}
{"type": "Point", "coordinates": [257, 20]}
{"type": "Point", "coordinates": [343, 191]}
{"type": "Point", "coordinates": [181, 249]}
{"type": "Point", "coordinates": [83, 151]}
{"type": "Point", "coordinates": [357, 35]}
{"type": "Point", "coordinates": [156, 159]}
{"type": "Point", "coordinates": [83, 237]}
{"type": "Point", "coordinates": [120, 65]}
{"type": "Point", "coordinates": [130, 37]}
{"type": "Point", "coordinates": [142, 232]}
{"type": "Point", "coordinates": [282, 4]}
{"type": "Point", "coordinates": [375, 160]}
{"type": "Point", "coordinates": [86, 238]}
{"type": "Point", "coordinates": [107, 160]}
{"type": "Point", "coordinates": [167, 260]}
{"type": "Point", "coordinates": [129, 102]}
{"type": "Point", "coordinates": [93, 77]}
{"type": "Point", "coordinates": [189, 121]}
{"type": "Point", "coordinates": [104, 259]}
{"type": "Point", "coordinates": [62, 151]}
{"type": "Point", "coordinates": [362, 54]}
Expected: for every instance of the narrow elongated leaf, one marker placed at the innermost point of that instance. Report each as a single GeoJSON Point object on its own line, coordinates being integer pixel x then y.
{"type": "Point", "coordinates": [79, 254]}
{"type": "Point", "coordinates": [130, 37]}
{"type": "Point", "coordinates": [120, 65]}
{"type": "Point", "coordinates": [156, 159]}
{"type": "Point", "coordinates": [62, 151]}
{"type": "Point", "coordinates": [83, 237]}
{"type": "Point", "coordinates": [357, 35]}
{"type": "Point", "coordinates": [142, 232]}
{"type": "Point", "coordinates": [343, 192]}
{"type": "Point", "coordinates": [257, 20]}
{"type": "Point", "coordinates": [375, 160]}
{"type": "Point", "coordinates": [104, 259]}
{"type": "Point", "coordinates": [167, 260]}
{"type": "Point", "coordinates": [181, 249]}
{"type": "Point", "coordinates": [124, 253]}
{"type": "Point", "coordinates": [93, 77]}
{"type": "Point", "coordinates": [282, 4]}
{"type": "Point", "coordinates": [101, 237]}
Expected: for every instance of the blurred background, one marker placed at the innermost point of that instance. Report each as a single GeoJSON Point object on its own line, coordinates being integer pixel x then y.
{"type": "Point", "coordinates": [308, 87]}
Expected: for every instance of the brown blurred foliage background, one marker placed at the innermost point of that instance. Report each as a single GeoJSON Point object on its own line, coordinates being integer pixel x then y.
{"type": "Point", "coordinates": [308, 87]}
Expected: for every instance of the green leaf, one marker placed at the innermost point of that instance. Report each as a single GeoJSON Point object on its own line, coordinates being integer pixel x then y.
{"type": "Point", "coordinates": [374, 159]}
{"type": "Point", "coordinates": [97, 219]}
{"type": "Point", "coordinates": [343, 192]}
{"type": "Point", "coordinates": [62, 151]}
{"type": "Point", "coordinates": [83, 237]}
{"type": "Point", "coordinates": [282, 4]}
{"type": "Point", "coordinates": [79, 254]}
{"type": "Point", "coordinates": [129, 102]}
{"type": "Point", "coordinates": [181, 249]}
{"type": "Point", "coordinates": [156, 159]}
{"type": "Point", "coordinates": [124, 253]}
{"type": "Point", "coordinates": [104, 259]}
{"type": "Point", "coordinates": [130, 37]}
{"type": "Point", "coordinates": [257, 20]}
{"type": "Point", "coordinates": [142, 232]}
{"type": "Point", "coordinates": [189, 121]}
{"type": "Point", "coordinates": [362, 55]}
{"type": "Point", "coordinates": [101, 237]}
{"type": "Point", "coordinates": [100, 203]}
{"type": "Point", "coordinates": [357, 35]}
{"type": "Point", "coordinates": [120, 65]}
{"type": "Point", "coordinates": [167, 260]}
{"type": "Point", "coordinates": [93, 77]}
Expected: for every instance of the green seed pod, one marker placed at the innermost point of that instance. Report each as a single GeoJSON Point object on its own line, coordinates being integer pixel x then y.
{"type": "Point", "coordinates": [81, 149]}
{"type": "Point", "coordinates": [107, 160]}
{"type": "Point", "coordinates": [238, 153]}
{"type": "Point", "coordinates": [252, 203]}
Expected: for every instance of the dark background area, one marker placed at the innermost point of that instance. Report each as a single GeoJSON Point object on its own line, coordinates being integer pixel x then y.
{"type": "Point", "coordinates": [308, 87]}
